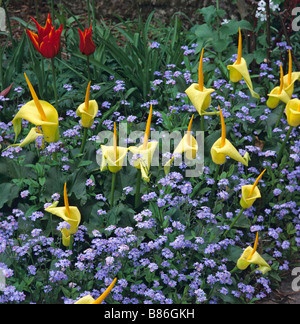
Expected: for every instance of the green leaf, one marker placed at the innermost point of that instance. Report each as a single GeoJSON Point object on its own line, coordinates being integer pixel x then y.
{"type": "Point", "coordinates": [9, 192]}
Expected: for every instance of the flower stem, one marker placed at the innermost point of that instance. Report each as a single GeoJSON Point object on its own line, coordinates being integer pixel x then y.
{"type": "Point", "coordinates": [284, 144]}
{"type": "Point", "coordinates": [85, 133]}
{"type": "Point", "coordinates": [54, 83]}
{"type": "Point", "coordinates": [280, 116]}
{"type": "Point", "coordinates": [88, 67]}
{"type": "Point", "coordinates": [234, 221]}
{"type": "Point", "coordinates": [113, 187]}
{"type": "Point", "coordinates": [138, 189]}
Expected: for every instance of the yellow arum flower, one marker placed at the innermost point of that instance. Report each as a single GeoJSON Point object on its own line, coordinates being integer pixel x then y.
{"type": "Point", "coordinates": [292, 112]}
{"type": "Point", "coordinates": [251, 193]}
{"type": "Point", "coordinates": [239, 70]}
{"type": "Point", "coordinates": [187, 145]}
{"type": "Point", "coordinates": [145, 152]}
{"type": "Point", "coordinates": [278, 94]}
{"type": "Point", "coordinates": [113, 156]}
{"type": "Point", "coordinates": [89, 300]}
{"type": "Point", "coordinates": [250, 256]}
{"type": "Point", "coordinates": [198, 94]}
{"type": "Point", "coordinates": [223, 148]}
{"type": "Point", "coordinates": [88, 110]}
{"type": "Point", "coordinates": [39, 113]}
{"type": "Point", "coordinates": [69, 214]}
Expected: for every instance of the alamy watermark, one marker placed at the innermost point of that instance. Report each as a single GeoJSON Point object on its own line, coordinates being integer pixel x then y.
{"type": "Point", "coordinates": [193, 167]}
{"type": "Point", "coordinates": [296, 20]}
{"type": "Point", "coordinates": [2, 279]}
{"type": "Point", "coordinates": [296, 281]}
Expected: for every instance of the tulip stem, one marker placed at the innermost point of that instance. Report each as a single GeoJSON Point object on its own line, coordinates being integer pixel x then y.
{"type": "Point", "coordinates": [54, 83]}
{"type": "Point", "coordinates": [138, 189]}
{"type": "Point", "coordinates": [234, 221]}
{"type": "Point", "coordinates": [284, 144]}
{"type": "Point", "coordinates": [88, 67]}
{"type": "Point", "coordinates": [85, 133]}
{"type": "Point", "coordinates": [113, 187]}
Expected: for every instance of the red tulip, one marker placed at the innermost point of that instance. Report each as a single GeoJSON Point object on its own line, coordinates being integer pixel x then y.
{"type": "Point", "coordinates": [47, 41]}
{"type": "Point", "coordinates": [87, 45]}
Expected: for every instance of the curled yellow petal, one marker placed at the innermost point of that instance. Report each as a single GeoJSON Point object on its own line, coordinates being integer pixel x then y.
{"type": "Point", "coordinates": [87, 117]}
{"type": "Point", "coordinates": [36, 100]}
{"type": "Point", "coordinates": [200, 99]}
{"type": "Point", "coordinates": [30, 138]}
{"type": "Point", "coordinates": [250, 256]}
{"type": "Point", "coordinates": [108, 158]}
{"type": "Point", "coordinates": [145, 156]}
{"type": "Point", "coordinates": [72, 217]}
{"type": "Point", "coordinates": [237, 71]}
{"type": "Point", "coordinates": [187, 145]}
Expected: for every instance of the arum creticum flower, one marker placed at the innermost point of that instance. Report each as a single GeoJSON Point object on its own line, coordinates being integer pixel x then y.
{"type": "Point", "coordinates": [89, 300]}
{"type": "Point", "coordinates": [198, 94]}
{"type": "Point", "coordinates": [250, 256]}
{"type": "Point", "coordinates": [145, 152]}
{"type": "Point", "coordinates": [187, 145]}
{"type": "Point", "coordinates": [88, 110]}
{"type": "Point", "coordinates": [87, 45]}
{"type": "Point", "coordinates": [69, 214]}
{"type": "Point", "coordinates": [48, 40]}
{"type": "Point", "coordinates": [292, 112]}
{"type": "Point", "coordinates": [223, 148]}
{"type": "Point", "coordinates": [278, 94]}
{"type": "Point", "coordinates": [251, 193]}
{"type": "Point", "coordinates": [239, 70]}
{"type": "Point", "coordinates": [113, 156]}
{"type": "Point", "coordinates": [39, 113]}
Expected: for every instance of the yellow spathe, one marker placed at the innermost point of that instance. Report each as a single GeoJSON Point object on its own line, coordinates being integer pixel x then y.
{"type": "Point", "coordinates": [90, 300]}
{"type": "Point", "coordinates": [38, 113]}
{"type": "Point", "coordinates": [198, 94]}
{"type": "Point", "coordinates": [250, 193]}
{"type": "Point", "coordinates": [239, 70]}
{"type": "Point", "coordinates": [200, 99]}
{"type": "Point", "coordinates": [88, 110]}
{"type": "Point", "coordinates": [143, 163]}
{"type": "Point", "coordinates": [247, 201]}
{"type": "Point", "coordinates": [109, 160]}
{"type": "Point", "coordinates": [222, 148]}
{"type": "Point", "coordinates": [31, 137]}
{"type": "Point", "coordinates": [250, 256]}
{"type": "Point", "coordinates": [292, 112]}
{"type": "Point", "coordinates": [69, 214]}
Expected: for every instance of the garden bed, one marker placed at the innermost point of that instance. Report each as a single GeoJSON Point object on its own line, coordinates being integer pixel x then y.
{"type": "Point", "coordinates": [214, 219]}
